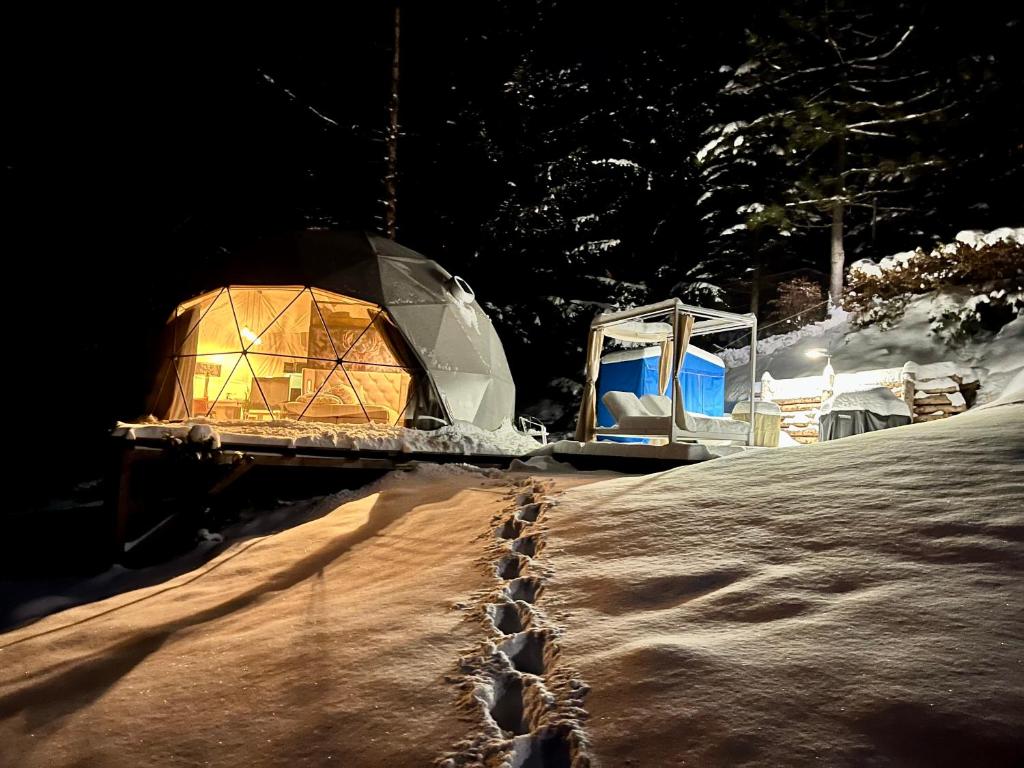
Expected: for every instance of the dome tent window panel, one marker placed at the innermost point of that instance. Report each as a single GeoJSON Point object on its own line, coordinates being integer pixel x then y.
{"type": "Point", "coordinates": [189, 388]}
{"type": "Point", "coordinates": [329, 397]}
{"type": "Point", "coordinates": [203, 300]}
{"type": "Point", "coordinates": [188, 317]}
{"type": "Point", "coordinates": [168, 396]}
{"type": "Point", "coordinates": [373, 345]}
{"type": "Point", "coordinates": [217, 386]}
{"type": "Point", "coordinates": [178, 346]}
{"type": "Point", "coordinates": [217, 330]}
{"type": "Point", "coordinates": [384, 391]}
{"type": "Point", "coordinates": [280, 383]}
{"type": "Point", "coordinates": [341, 324]}
{"type": "Point", "coordinates": [338, 395]}
{"type": "Point", "coordinates": [268, 352]}
{"type": "Point", "coordinates": [272, 320]}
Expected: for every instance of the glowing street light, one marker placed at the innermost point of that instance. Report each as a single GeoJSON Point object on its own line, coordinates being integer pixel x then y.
{"type": "Point", "coordinates": [820, 352]}
{"type": "Point", "coordinates": [828, 375]}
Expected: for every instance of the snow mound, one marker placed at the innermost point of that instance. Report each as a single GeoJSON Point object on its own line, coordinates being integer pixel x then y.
{"type": "Point", "coordinates": [542, 463]}
{"type": "Point", "coordinates": [878, 400]}
{"type": "Point", "coordinates": [785, 441]}
{"type": "Point", "coordinates": [204, 434]}
{"type": "Point", "coordinates": [855, 602]}
{"type": "Point", "coordinates": [942, 370]}
{"type": "Point", "coordinates": [973, 238]}
{"type": "Point", "coordinates": [977, 238]}
{"type": "Point", "coordinates": [1014, 393]}
{"type": "Point", "coordinates": [943, 385]}
{"type": "Point", "coordinates": [460, 438]}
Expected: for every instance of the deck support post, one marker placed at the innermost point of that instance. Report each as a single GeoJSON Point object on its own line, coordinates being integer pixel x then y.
{"type": "Point", "coordinates": [753, 376]}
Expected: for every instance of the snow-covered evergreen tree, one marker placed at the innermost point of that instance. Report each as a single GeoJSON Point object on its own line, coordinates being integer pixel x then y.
{"type": "Point", "coordinates": [594, 209]}
{"type": "Point", "coordinates": [830, 127]}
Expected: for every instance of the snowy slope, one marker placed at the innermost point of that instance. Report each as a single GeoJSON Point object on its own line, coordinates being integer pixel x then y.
{"type": "Point", "coordinates": [996, 358]}
{"type": "Point", "coordinates": [340, 641]}
{"type": "Point", "coordinates": [857, 602]}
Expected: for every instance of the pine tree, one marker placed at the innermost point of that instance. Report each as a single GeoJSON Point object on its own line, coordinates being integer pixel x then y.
{"type": "Point", "coordinates": [830, 129]}
{"type": "Point", "coordinates": [588, 199]}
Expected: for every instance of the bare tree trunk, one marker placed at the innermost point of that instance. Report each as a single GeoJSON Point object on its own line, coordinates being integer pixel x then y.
{"type": "Point", "coordinates": [835, 283]}
{"type": "Point", "coordinates": [838, 260]}
{"type": "Point", "coordinates": [391, 177]}
{"type": "Point", "coordinates": [755, 290]}
{"type": "Point", "coordinates": [874, 220]}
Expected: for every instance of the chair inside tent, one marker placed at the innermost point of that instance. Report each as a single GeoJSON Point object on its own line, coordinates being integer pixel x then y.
{"type": "Point", "coordinates": [254, 353]}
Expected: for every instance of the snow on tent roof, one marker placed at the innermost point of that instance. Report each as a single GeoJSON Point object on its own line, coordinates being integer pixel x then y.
{"type": "Point", "coordinates": [637, 354]}
{"type": "Point", "coordinates": [639, 331]}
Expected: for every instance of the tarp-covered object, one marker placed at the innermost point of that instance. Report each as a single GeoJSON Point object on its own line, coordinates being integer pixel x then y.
{"type": "Point", "coordinates": [637, 371]}
{"type": "Point", "coordinates": [380, 332]}
{"type": "Point", "coordinates": [853, 413]}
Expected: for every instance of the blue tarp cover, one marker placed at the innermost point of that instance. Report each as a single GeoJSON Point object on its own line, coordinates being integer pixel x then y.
{"type": "Point", "coordinates": [636, 371]}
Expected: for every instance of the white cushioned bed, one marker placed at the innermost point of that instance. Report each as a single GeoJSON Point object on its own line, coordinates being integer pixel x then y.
{"type": "Point", "coordinates": [650, 416]}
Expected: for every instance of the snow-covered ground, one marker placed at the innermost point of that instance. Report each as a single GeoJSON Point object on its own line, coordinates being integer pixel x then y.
{"type": "Point", "coordinates": [334, 642]}
{"type": "Point", "coordinates": [994, 357]}
{"type": "Point", "coordinates": [29, 599]}
{"type": "Point", "coordinates": [857, 602]}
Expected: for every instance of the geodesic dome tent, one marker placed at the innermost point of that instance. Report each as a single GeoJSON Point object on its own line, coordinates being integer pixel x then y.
{"type": "Point", "coordinates": [342, 328]}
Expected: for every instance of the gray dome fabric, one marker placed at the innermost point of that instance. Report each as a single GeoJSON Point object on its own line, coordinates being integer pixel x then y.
{"type": "Point", "coordinates": [454, 341]}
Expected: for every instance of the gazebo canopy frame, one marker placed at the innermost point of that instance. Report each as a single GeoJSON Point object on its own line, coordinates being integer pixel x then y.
{"type": "Point", "coordinates": [687, 321]}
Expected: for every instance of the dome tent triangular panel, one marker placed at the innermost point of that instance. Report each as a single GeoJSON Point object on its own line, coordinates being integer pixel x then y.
{"type": "Point", "coordinates": [468, 397]}
{"type": "Point", "coordinates": [472, 356]}
{"type": "Point", "coordinates": [188, 315]}
{"type": "Point", "coordinates": [411, 344]}
{"type": "Point", "coordinates": [498, 362]}
{"type": "Point", "coordinates": [406, 281]}
{"type": "Point", "coordinates": [218, 316]}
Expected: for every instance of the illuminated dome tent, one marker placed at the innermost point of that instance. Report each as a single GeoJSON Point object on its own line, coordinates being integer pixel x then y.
{"type": "Point", "coordinates": [374, 332]}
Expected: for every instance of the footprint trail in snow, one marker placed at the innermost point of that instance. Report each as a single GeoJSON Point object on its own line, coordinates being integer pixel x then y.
{"type": "Point", "coordinates": [526, 707]}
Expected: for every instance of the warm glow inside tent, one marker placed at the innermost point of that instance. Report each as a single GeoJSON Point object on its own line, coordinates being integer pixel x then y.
{"type": "Point", "coordinates": [262, 353]}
